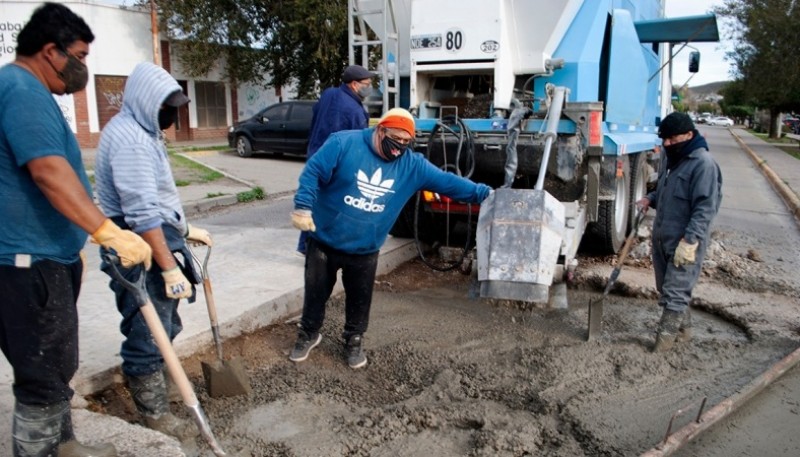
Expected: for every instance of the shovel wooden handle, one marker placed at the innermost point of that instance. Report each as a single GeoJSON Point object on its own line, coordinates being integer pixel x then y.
{"type": "Point", "coordinates": [171, 359]}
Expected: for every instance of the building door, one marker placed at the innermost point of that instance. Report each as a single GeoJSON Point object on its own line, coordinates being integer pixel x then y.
{"type": "Point", "coordinates": [182, 131]}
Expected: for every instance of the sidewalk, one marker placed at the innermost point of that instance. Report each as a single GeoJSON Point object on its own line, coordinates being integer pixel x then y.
{"type": "Point", "coordinates": [781, 169]}
{"type": "Point", "coordinates": [257, 282]}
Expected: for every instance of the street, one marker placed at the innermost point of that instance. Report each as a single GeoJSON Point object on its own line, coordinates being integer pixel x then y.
{"type": "Point", "coordinates": [453, 376]}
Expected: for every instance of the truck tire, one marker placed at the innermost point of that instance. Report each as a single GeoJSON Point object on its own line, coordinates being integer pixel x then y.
{"type": "Point", "coordinates": [639, 177]}
{"type": "Point", "coordinates": [404, 225]}
{"type": "Point", "coordinates": [607, 234]}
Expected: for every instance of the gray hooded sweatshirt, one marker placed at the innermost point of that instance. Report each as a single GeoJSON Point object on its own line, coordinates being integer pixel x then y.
{"type": "Point", "coordinates": [133, 177]}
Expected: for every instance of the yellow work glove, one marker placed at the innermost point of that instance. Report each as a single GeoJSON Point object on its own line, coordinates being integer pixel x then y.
{"type": "Point", "coordinates": [176, 284]}
{"type": "Point", "coordinates": [685, 253]}
{"type": "Point", "coordinates": [197, 236]}
{"type": "Point", "coordinates": [128, 246]}
{"type": "Point", "coordinates": [302, 220]}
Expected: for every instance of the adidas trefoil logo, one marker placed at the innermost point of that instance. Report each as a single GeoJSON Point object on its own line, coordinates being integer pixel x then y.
{"type": "Point", "coordinates": [370, 188]}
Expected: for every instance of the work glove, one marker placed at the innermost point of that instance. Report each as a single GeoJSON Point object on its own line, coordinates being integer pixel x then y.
{"type": "Point", "coordinates": [685, 253]}
{"type": "Point", "coordinates": [302, 220]}
{"type": "Point", "coordinates": [198, 236]}
{"type": "Point", "coordinates": [128, 246]}
{"type": "Point", "coordinates": [176, 284]}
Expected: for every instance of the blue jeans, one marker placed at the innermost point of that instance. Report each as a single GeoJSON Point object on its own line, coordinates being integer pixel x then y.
{"type": "Point", "coordinates": [358, 278]}
{"type": "Point", "coordinates": [140, 355]}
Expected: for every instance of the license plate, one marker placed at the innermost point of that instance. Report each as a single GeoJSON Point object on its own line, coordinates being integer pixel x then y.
{"type": "Point", "coordinates": [426, 42]}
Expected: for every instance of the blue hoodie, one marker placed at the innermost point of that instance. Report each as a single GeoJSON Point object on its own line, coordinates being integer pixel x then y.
{"type": "Point", "coordinates": [133, 177]}
{"type": "Point", "coordinates": [355, 196]}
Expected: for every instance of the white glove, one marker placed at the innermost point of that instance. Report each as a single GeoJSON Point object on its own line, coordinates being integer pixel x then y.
{"type": "Point", "coordinates": [176, 284]}
{"type": "Point", "coordinates": [196, 235]}
{"type": "Point", "coordinates": [685, 253]}
{"type": "Point", "coordinates": [302, 220]}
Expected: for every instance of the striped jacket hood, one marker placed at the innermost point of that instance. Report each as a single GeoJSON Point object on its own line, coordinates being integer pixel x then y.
{"type": "Point", "coordinates": [145, 91]}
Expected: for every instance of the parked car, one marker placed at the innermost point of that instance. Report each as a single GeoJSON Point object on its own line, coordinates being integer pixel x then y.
{"type": "Point", "coordinates": [724, 121]}
{"type": "Point", "coordinates": [282, 128]}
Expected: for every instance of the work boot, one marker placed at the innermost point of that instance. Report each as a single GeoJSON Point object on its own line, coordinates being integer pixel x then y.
{"type": "Point", "coordinates": [355, 355]}
{"type": "Point", "coordinates": [70, 447]}
{"type": "Point", "coordinates": [149, 393]}
{"type": "Point", "coordinates": [667, 330]}
{"type": "Point", "coordinates": [46, 431]}
{"type": "Point", "coordinates": [685, 330]}
{"type": "Point", "coordinates": [303, 346]}
{"type": "Point", "coordinates": [173, 392]}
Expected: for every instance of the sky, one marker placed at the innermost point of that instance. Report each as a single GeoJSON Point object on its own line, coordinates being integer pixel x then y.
{"type": "Point", "coordinates": [713, 66]}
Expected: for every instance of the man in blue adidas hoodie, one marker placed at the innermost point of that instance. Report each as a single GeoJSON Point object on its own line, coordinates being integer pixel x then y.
{"type": "Point", "coordinates": [350, 194]}
{"type": "Point", "coordinates": [687, 199]}
{"type": "Point", "coordinates": [339, 108]}
{"type": "Point", "coordinates": [136, 189]}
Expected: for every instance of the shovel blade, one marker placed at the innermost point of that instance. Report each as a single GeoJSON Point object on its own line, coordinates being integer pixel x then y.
{"type": "Point", "coordinates": [595, 319]}
{"type": "Point", "coordinates": [226, 378]}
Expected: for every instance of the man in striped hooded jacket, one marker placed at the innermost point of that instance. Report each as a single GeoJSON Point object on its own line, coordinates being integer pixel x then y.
{"type": "Point", "coordinates": [136, 190]}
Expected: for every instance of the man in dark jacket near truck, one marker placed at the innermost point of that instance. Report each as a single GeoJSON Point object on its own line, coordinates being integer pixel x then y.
{"type": "Point", "coordinates": [350, 195]}
{"type": "Point", "coordinates": [687, 199]}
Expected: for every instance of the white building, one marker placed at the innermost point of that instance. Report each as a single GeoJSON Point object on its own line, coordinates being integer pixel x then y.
{"type": "Point", "coordinates": [123, 38]}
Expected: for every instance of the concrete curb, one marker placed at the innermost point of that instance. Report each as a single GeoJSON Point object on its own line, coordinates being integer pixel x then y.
{"type": "Point", "coordinates": [788, 196]}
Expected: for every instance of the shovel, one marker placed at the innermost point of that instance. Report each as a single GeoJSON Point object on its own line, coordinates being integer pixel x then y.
{"type": "Point", "coordinates": [596, 306]}
{"type": "Point", "coordinates": [223, 378]}
{"type": "Point", "coordinates": [174, 367]}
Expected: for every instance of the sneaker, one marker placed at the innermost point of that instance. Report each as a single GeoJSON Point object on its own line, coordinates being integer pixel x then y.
{"type": "Point", "coordinates": [355, 355]}
{"type": "Point", "coordinates": [304, 345]}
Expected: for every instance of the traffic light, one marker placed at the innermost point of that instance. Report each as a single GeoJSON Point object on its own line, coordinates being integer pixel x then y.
{"type": "Point", "coordinates": [694, 62]}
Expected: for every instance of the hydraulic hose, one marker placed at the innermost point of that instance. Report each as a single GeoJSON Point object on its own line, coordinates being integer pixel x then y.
{"type": "Point", "coordinates": [465, 144]}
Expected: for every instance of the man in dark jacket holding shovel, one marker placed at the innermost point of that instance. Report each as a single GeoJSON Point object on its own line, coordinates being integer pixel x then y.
{"type": "Point", "coordinates": [686, 200]}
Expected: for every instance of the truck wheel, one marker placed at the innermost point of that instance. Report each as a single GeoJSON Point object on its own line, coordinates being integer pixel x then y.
{"type": "Point", "coordinates": [608, 233]}
{"type": "Point", "coordinates": [638, 185]}
{"type": "Point", "coordinates": [404, 225]}
{"type": "Point", "coordinates": [243, 147]}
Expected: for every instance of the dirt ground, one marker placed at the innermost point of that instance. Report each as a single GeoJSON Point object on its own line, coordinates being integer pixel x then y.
{"type": "Point", "coordinates": [450, 375]}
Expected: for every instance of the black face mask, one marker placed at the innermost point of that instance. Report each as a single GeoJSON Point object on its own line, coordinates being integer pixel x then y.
{"type": "Point", "coordinates": [167, 117]}
{"type": "Point", "coordinates": [391, 149]}
{"type": "Point", "coordinates": [674, 153]}
{"type": "Point", "coordinates": [75, 74]}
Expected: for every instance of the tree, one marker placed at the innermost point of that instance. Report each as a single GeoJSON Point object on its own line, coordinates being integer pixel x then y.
{"type": "Point", "coordinates": [766, 36]}
{"type": "Point", "coordinates": [288, 41]}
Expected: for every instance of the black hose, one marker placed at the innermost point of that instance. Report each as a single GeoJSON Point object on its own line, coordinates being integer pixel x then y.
{"type": "Point", "coordinates": [465, 141]}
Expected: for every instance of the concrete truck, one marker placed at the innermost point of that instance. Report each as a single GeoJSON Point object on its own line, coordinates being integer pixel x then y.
{"type": "Point", "coordinates": [554, 103]}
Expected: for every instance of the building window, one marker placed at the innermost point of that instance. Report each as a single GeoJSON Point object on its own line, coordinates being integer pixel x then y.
{"type": "Point", "coordinates": [210, 104]}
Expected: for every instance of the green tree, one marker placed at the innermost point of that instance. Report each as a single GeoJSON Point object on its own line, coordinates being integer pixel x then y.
{"type": "Point", "coordinates": [766, 36]}
{"type": "Point", "coordinates": [266, 42]}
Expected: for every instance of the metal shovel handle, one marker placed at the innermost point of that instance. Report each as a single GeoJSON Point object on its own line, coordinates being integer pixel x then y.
{"type": "Point", "coordinates": [164, 344]}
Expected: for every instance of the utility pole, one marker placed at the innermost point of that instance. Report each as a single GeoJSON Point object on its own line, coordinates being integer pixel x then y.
{"type": "Point", "coordinates": [154, 28]}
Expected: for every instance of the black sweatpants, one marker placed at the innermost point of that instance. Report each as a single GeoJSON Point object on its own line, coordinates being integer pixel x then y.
{"type": "Point", "coordinates": [39, 328]}
{"type": "Point", "coordinates": [358, 279]}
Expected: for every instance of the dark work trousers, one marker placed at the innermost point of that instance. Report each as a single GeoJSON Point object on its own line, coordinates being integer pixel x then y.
{"type": "Point", "coordinates": [140, 355]}
{"type": "Point", "coordinates": [39, 328]}
{"type": "Point", "coordinates": [675, 284]}
{"type": "Point", "coordinates": [358, 278]}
